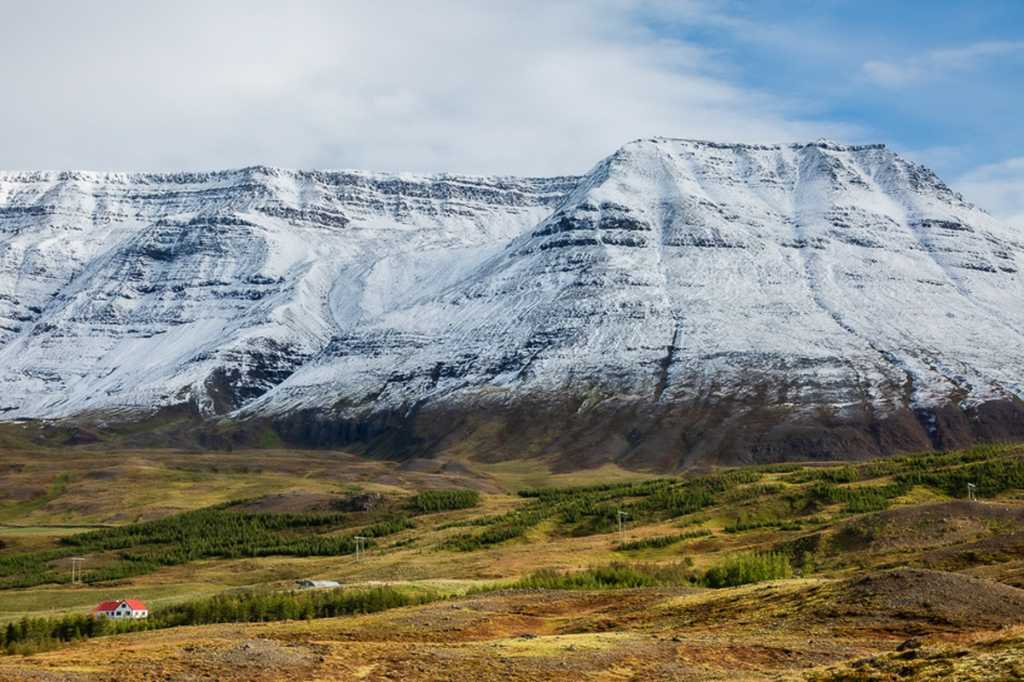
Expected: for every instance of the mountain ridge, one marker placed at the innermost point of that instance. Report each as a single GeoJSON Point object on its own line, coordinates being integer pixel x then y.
{"type": "Point", "coordinates": [683, 301]}
{"type": "Point", "coordinates": [86, 173]}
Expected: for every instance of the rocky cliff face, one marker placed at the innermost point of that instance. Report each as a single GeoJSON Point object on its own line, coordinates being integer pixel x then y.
{"type": "Point", "coordinates": [684, 301]}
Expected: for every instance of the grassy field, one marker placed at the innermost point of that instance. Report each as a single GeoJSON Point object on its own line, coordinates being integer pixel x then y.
{"type": "Point", "coordinates": [866, 570]}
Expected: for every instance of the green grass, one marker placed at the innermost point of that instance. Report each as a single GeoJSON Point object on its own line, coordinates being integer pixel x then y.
{"type": "Point", "coordinates": [21, 509]}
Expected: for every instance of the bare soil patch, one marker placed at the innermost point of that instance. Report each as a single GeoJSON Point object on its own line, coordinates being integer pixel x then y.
{"type": "Point", "coordinates": [942, 598]}
{"type": "Point", "coordinates": [289, 502]}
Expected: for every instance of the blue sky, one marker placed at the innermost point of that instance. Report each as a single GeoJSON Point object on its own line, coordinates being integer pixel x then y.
{"type": "Point", "coordinates": [531, 87]}
{"type": "Point", "coordinates": [942, 80]}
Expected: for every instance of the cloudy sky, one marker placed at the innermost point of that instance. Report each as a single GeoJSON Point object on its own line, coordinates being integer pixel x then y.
{"type": "Point", "coordinates": [521, 87]}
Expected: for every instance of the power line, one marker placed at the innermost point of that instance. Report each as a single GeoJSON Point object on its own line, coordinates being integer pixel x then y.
{"type": "Point", "coordinates": [360, 545]}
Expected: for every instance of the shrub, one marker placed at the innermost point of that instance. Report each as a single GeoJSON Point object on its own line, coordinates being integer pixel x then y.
{"type": "Point", "coordinates": [752, 567]}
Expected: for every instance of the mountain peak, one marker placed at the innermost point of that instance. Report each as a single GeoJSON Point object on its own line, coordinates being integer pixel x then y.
{"type": "Point", "coordinates": [686, 299]}
{"type": "Point", "coordinates": [823, 143]}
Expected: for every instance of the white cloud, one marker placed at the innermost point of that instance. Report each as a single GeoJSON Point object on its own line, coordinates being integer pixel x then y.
{"type": "Point", "coordinates": [936, 64]}
{"type": "Point", "coordinates": [526, 87]}
{"type": "Point", "coordinates": [998, 188]}
{"type": "Point", "coordinates": [890, 74]}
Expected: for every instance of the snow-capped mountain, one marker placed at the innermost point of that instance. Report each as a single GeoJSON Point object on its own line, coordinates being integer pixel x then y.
{"type": "Point", "coordinates": [684, 300]}
{"type": "Point", "coordinates": [139, 291]}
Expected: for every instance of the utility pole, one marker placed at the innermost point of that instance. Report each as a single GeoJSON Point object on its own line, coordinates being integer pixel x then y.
{"type": "Point", "coordinates": [76, 570]}
{"type": "Point", "coordinates": [970, 492]}
{"type": "Point", "coordinates": [360, 545]}
{"type": "Point", "coordinates": [621, 515]}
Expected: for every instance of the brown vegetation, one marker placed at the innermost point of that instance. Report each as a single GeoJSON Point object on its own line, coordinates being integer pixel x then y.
{"type": "Point", "coordinates": [922, 586]}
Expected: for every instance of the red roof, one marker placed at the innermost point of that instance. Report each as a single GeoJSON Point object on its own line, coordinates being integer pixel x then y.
{"type": "Point", "coordinates": [112, 605]}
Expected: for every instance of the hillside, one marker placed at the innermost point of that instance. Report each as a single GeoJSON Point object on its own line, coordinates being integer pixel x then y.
{"type": "Point", "coordinates": [870, 570]}
{"type": "Point", "coordinates": [132, 292]}
{"type": "Point", "coordinates": [683, 303]}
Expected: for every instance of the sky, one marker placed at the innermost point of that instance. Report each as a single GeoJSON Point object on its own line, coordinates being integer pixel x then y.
{"type": "Point", "coordinates": [527, 88]}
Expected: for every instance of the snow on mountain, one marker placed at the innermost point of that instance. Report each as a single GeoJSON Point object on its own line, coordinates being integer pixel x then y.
{"type": "Point", "coordinates": [684, 297]}
{"type": "Point", "coordinates": [120, 292]}
{"type": "Point", "coordinates": [678, 273]}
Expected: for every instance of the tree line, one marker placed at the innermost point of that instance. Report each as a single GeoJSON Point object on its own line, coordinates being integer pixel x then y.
{"type": "Point", "coordinates": [589, 510]}
{"type": "Point", "coordinates": [430, 501]}
{"type": "Point", "coordinates": [30, 635]}
{"type": "Point", "coordinates": [209, 533]}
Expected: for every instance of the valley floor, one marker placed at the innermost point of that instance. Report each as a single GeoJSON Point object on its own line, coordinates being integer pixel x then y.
{"type": "Point", "coordinates": [881, 569]}
{"type": "Point", "coordinates": [762, 632]}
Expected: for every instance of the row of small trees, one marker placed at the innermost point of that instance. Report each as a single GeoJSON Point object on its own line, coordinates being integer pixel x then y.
{"type": "Point", "coordinates": [37, 634]}
{"type": "Point", "coordinates": [30, 635]}
{"type": "Point", "coordinates": [906, 464]}
{"type": "Point", "coordinates": [588, 510]}
{"type": "Point", "coordinates": [738, 569]}
{"type": "Point", "coordinates": [252, 607]}
{"type": "Point", "coordinates": [991, 477]}
{"type": "Point", "coordinates": [430, 501]}
{"type": "Point", "coordinates": [659, 541]}
{"type": "Point", "coordinates": [213, 532]}
{"type": "Point", "coordinates": [202, 534]}
{"type": "Point", "coordinates": [858, 499]}
{"type": "Point", "coordinates": [750, 567]}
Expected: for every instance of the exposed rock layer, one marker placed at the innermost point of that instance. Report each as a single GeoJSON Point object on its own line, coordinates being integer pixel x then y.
{"type": "Point", "coordinates": [683, 302]}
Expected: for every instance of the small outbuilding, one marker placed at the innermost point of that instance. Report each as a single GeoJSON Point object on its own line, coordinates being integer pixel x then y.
{"type": "Point", "coordinates": [120, 609]}
{"type": "Point", "coordinates": [317, 584]}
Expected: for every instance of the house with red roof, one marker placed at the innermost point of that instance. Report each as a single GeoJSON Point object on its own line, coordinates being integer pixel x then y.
{"type": "Point", "coordinates": [120, 609]}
